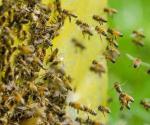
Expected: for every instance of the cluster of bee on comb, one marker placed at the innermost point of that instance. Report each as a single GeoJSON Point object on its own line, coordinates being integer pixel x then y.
{"type": "Point", "coordinates": [33, 83]}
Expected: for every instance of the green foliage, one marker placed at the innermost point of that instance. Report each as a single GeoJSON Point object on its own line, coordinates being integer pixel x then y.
{"type": "Point", "coordinates": [133, 14]}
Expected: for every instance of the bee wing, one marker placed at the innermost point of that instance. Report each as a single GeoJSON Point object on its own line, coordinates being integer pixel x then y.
{"type": "Point", "coordinates": [142, 63]}
{"type": "Point", "coordinates": [130, 57]}
{"type": "Point", "coordinates": [145, 64]}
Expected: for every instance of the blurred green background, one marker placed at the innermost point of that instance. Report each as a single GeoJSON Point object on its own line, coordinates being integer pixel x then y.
{"type": "Point", "coordinates": [133, 14]}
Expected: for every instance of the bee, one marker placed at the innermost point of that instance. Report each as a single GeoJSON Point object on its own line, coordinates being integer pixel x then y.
{"type": "Point", "coordinates": [78, 44]}
{"type": "Point", "coordinates": [93, 122]}
{"type": "Point", "coordinates": [104, 109]}
{"type": "Point", "coordinates": [87, 121]}
{"type": "Point", "coordinates": [33, 87]}
{"type": "Point", "coordinates": [111, 54]}
{"type": "Point", "coordinates": [100, 31]}
{"type": "Point", "coordinates": [145, 104]}
{"type": "Point", "coordinates": [125, 100]}
{"type": "Point", "coordinates": [138, 42]}
{"type": "Point", "coordinates": [112, 42]}
{"type": "Point", "coordinates": [82, 24]}
{"type": "Point", "coordinates": [57, 4]}
{"type": "Point", "coordinates": [99, 19]}
{"type": "Point", "coordinates": [18, 97]}
{"type": "Point", "coordinates": [114, 33]}
{"type": "Point", "coordinates": [110, 11]}
{"type": "Point", "coordinates": [97, 67]}
{"type": "Point", "coordinates": [26, 49]}
{"type": "Point", "coordinates": [87, 31]}
{"type": "Point", "coordinates": [109, 57]}
{"type": "Point", "coordinates": [69, 14]}
{"type": "Point", "coordinates": [137, 33]}
{"type": "Point", "coordinates": [53, 55]}
{"type": "Point", "coordinates": [81, 107]}
{"type": "Point", "coordinates": [118, 88]}
{"type": "Point", "coordinates": [136, 61]}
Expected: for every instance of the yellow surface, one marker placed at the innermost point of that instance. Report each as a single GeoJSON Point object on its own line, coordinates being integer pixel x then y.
{"type": "Point", "coordinates": [90, 88]}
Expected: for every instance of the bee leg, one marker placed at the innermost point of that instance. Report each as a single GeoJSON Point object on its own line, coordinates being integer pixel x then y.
{"type": "Point", "coordinates": [121, 108]}
{"type": "Point", "coordinates": [70, 19]}
{"type": "Point", "coordinates": [128, 106]}
{"type": "Point", "coordinates": [100, 37]}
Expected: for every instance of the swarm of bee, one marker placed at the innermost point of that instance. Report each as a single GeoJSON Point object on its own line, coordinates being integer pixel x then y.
{"type": "Point", "coordinates": [33, 83]}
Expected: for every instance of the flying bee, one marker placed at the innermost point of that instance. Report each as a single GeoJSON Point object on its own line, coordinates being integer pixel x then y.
{"type": "Point", "coordinates": [81, 107]}
{"type": "Point", "coordinates": [99, 19]}
{"type": "Point", "coordinates": [145, 104]}
{"type": "Point", "coordinates": [104, 109]}
{"type": "Point", "coordinates": [112, 42]}
{"type": "Point", "coordinates": [111, 54]}
{"type": "Point", "coordinates": [138, 42]}
{"type": "Point", "coordinates": [110, 11]}
{"type": "Point", "coordinates": [87, 31]}
{"type": "Point", "coordinates": [109, 57]}
{"type": "Point", "coordinates": [118, 88]}
{"type": "Point", "coordinates": [100, 31]}
{"type": "Point", "coordinates": [125, 100]}
{"type": "Point", "coordinates": [81, 23]}
{"type": "Point", "coordinates": [78, 44]}
{"type": "Point", "coordinates": [97, 67]}
{"type": "Point", "coordinates": [137, 62]}
{"type": "Point", "coordinates": [137, 33]}
{"type": "Point", "coordinates": [148, 71]}
{"type": "Point", "coordinates": [69, 14]}
{"type": "Point", "coordinates": [114, 33]}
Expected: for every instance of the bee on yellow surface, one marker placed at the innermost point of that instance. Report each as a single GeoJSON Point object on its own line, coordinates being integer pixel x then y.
{"type": "Point", "coordinates": [104, 109]}
{"type": "Point", "coordinates": [145, 104]}
{"type": "Point", "coordinates": [78, 44]}
{"type": "Point", "coordinates": [33, 87]}
{"type": "Point", "coordinates": [18, 97]}
{"type": "Point", "coordinates": [87, 31]}
{"type": "Point", "coordinates": [81, 24]}
{"type": "Point", "coordinates": [99, 19]}
{"type": "Point", "coordinates": [100, 31]}
{"type": "Point", "coordinates": [81, 107]}
{"type": "Point", "coordinates": [110, 11]}
{"type": "Point", "coordinates": [97, 67]}
{"type": "Point", "coordinates": [26, 49]}
{"type": "Point", "coordinates": [87, 121]}
{"type": "Point", "coordinates": [53, 57]}
{"type": "Point", "coordinates": [69, 14]}
{"type": "Point", "coordinates": [114, 33]}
